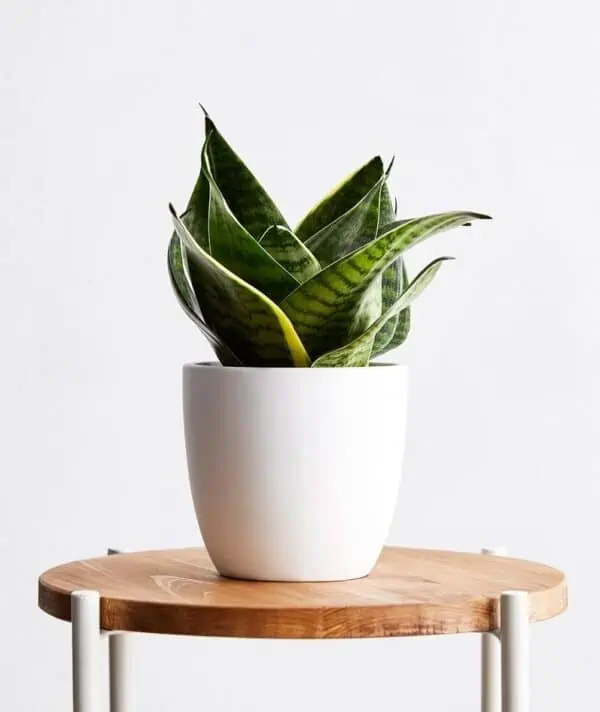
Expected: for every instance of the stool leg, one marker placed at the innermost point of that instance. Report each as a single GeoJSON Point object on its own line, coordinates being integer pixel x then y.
{"type": "Point", "coordinates": [118, 673]}
{"type": "Point", "coordinates": [118, 668]}
{"type": "Point", "coordinates": [491, 700]}
{"type": "Point", "coordinates": [514, 637]}
{"type": "Point", "coordinates": [86, 642]}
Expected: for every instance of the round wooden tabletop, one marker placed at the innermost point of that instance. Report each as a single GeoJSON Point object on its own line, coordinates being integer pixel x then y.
{"type": "Point", "coordinates": [410, 592]}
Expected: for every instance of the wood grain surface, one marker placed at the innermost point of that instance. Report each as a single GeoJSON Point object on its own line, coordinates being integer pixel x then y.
{"type": "Point", "coordinates": [410, 592]}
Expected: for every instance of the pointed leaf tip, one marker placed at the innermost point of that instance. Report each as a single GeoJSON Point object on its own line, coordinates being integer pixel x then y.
{"type": "Point", "coordinates": [204, 110]}
{"type": "Point", "coordinates": [359, 351]}
{"type": "Point", "coordinates": [172, 210]}
{"type": "Point", "coordinates": [388, 170]}
{"type": "Point", "coordinates": [323, 306]}
{"type": "Point", "coordinates": [341, 199]}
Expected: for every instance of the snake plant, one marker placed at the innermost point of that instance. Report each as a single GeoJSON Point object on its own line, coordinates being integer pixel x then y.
{"type": "Point", "coordinates": [332, 292]}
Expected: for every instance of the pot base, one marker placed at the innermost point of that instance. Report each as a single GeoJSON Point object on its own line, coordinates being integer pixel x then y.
{"type": "Point", "coordinates": [293, 579]}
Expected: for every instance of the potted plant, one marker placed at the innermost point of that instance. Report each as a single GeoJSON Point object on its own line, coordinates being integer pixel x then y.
{"type": "Point", "coordinates": [294, 439]}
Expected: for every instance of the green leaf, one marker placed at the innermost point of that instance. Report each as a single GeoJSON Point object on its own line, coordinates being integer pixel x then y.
{"type": "Point", "coordinates": [391, 279]}
{"type": "Point", "coordinates": [247, 199]}
{"type": "Point", "coordinates": [292, 254]}
{"type": "Point", "coordinates": [349, 231]}
{"type": "Point", "coordinates": [184, 291]}
{"type": "Point", "coordinates": [358, 352]}
{"type": "Point", "coordinates": [235, 248]}
{"type": "Point", "coordinates": [195, 216]}
{"type": "Point", "coordinates": [354, 228]}
{"type": "Point", "coordinates": [394, 279]}
{"type": "Point", "coordinates": [180, 276]}
{"type": "Point", "coordinates": [395, 331]}
{"type": "Point", "coordinates": [251, 325]}
{"type": "Point", "coordinates": [323, 308]}
{"type": "Point", "coordinates": [386, 209]}
{"type": "Point", "coordinates": [341, 198]}
{"type": "Point", "coordinates": [392, 287]}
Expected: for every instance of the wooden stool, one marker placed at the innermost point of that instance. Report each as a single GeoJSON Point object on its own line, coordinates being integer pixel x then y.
{"type": "Point", "coordinates": [410, 592]}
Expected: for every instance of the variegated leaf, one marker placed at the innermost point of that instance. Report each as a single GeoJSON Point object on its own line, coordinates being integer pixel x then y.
{"type": "Point", "coordinates": [246, 197]}
{"type": "Point", "coordinates": [391, 279]}
{"type": "Point", "coordinates": [352, 230]}
{"type": "Point", "coordinates": [323, 307]}
{"type": "Point", "coordinates": [196, 215]}
{"type": "Point", "coordinates": [290, 252]}
{"type": "Point", "coordinates": [235, 248]}
{"type": "Point", "coordinates": [184, 291]}
{"type": "Point", "coordinates": [358, 352]}
{"type": "Point", "coordinates": [341, 199]}
{"type": "Point", "coordinates": [395, 331]}
{"type": "Point", "coordinates": [252, 325]}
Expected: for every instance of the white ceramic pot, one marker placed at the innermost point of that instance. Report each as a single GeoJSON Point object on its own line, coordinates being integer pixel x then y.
{"type": "Point", "coordinates": [294, 471]}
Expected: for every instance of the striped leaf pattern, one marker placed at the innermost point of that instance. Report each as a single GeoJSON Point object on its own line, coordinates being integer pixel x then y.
{"type": "Point", "coordinates": [321, 307]}
{"type": "Point", "coordinates": [358, 352]}
{"type": "Point", "coordinates": [253, 326]}
{"type": "Point", "coordinates": [392, 285]}
{"type": "Point", "coordinates": [290, 252]}
{"type": "Point", "coordinates": [351, 230]}
{"type": "Point", "coordinates": [341, 199]}
{"type": "Point", "coordinates": [395, 331]}
{"type": "Point", "coordinates": [184, 291]}
{"type": "Point", "coordinates": [246, 197]}
{"type": "Point", "coordinates": [348, 232]}
{"type": "Point", "coordinates": [392, 282]}
{"type": "Point", "coordinates": [235, 248]}
{"type": "Point", "coordinates": [334, 293]}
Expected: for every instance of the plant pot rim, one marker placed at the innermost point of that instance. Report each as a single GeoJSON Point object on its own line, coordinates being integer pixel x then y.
{"type": "Point", "coordinates": [216, 366]}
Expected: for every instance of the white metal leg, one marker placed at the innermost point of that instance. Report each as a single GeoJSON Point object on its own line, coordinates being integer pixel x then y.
{"type": "Point", "coordinates": [118, 669]}
{"type": "Point", "coordinates": [514, 636]}
{"type": "Point", "coordinates": [491, 700]}
{"type": "Point", "coordinates": [118, 673]}
{"type": "Point", "coordinates": [86, 646]}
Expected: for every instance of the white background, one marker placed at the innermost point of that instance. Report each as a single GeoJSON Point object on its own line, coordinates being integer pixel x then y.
{"type": "Point", "coordinates": [487, 106]}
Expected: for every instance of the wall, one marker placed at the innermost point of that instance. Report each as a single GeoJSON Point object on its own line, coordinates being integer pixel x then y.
{"type": "Point", "coordinates": [488, 106]}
